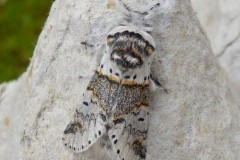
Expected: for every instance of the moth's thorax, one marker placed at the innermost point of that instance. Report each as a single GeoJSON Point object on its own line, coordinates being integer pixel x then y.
{"type": "Point", "coordinates": [128, 56]}
{"type": "Point", "coordinates": [128, 48]}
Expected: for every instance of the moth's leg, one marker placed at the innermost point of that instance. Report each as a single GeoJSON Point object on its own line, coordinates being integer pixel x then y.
{"type": "Point", "coordinates": [87, 44]}
{"type": "Point", "coordinates": [156, 84]}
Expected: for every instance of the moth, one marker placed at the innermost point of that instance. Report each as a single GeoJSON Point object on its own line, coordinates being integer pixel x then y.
{"type": "Point", "coordinates": [116, 101]}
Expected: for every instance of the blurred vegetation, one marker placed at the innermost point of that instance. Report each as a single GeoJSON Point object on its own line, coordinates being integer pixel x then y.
{"type": "Point", "coordinates": [20, 25]}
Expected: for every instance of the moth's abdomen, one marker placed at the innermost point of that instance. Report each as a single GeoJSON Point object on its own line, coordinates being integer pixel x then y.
{"type": "Point", "coordinates": [129, 49]}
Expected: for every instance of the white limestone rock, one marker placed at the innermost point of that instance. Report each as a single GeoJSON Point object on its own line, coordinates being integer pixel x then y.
{"type": "Point", "coordinates": [221, 20]}
{"type": "Point", "coordinates": [197, 119]}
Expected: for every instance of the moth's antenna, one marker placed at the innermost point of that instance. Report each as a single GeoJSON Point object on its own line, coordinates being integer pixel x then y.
{"type": "Point", "coordinates": [138, 18]}
{"type": "Point", "coordinates": [155, 6]}
{"type": "Point", "coordinates": [87, 44]}
{"type": "Point", "coordinates": [125, 6]}
{"type": "Point", "coordinates": [138, 12]}
{"type": "Point", "coordinates": [130, 10]}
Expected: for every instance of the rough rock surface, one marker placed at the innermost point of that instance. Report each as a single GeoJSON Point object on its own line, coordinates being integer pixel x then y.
{"type": "Point", "coordinates": [221, 20]}
{"type": "Point", "coordinates": [198, 119]}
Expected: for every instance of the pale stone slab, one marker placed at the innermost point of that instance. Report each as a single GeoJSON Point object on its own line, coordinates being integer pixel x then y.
{"type": "Point", "coordinates": [197, 119]}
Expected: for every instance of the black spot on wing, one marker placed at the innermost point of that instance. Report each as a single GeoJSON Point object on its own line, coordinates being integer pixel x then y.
{"type": "Point", "coordinates": [85, 103]}
{"type": "Point", "coordinates": [135, 76]}
{"type": "Point", "coordinates": [118, 151]}
{"type": "Point", "coordinates": [120, 120]}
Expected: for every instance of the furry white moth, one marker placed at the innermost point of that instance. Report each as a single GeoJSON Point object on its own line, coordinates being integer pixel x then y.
{"type": "Point", "coordinates": [116, 101]}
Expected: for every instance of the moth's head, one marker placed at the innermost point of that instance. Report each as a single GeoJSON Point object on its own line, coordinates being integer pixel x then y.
{"type": "Point", "coordinates": [129, 47]}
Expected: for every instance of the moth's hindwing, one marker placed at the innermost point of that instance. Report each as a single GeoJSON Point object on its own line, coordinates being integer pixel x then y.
{"type": "Point", "coordinates": [88, 125]}
{"type": "Point", "coordinates": [128, 136]}
{"type": "Point", "coordinates": [130, 123]}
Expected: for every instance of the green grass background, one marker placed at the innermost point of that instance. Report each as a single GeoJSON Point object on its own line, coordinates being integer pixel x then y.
{"type": "Point", "coordinates": [21, 22]}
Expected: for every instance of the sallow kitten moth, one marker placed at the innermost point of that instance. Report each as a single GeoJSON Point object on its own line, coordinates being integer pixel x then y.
{"type": "Point", "coordinates": [116, 101]}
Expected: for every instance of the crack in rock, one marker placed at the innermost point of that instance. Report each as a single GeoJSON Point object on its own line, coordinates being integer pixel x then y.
{"type": "Point", "coordinates": [229, 44]}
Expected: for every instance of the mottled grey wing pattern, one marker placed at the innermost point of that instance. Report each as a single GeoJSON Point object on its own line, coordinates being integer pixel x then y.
{"type": "Point", "coordinates": [130, 123]}
{"type": "Point", "coordinates": [89, 123]}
